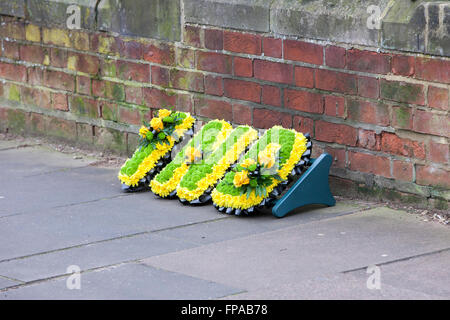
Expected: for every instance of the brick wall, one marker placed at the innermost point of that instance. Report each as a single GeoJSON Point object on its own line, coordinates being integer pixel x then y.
{"type": "Point", "coordinates": [383, 115]}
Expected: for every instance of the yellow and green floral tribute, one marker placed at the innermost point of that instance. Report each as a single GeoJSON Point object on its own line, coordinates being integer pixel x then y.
{"type": "Point", "coordinates": [200, 146]}
{"type": "Point", "coordinates": [196, 185]}
{"type": "Point", "coordinates": [157, 139]}
{"type": "Point", "coordinates": [268, 163]}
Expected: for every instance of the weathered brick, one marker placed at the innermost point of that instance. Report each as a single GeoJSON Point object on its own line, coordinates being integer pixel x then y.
{"type": "Point", "coordinates": [403, 65]}
{"type": "Point", "coordinates": [271, 95]}
{"type": "Point", "coordinates": [105, 44]}
{"type": "Point", "coordinates": [368, 112]}
{"type": "Point", "coordinates": [368, 87]}
{"type": "Point", "coordinates": [59, 80]}
{"type": "Point", "coordinates": [430, 175]}
{"type": "Point", "coordinates": [13, 29]}
{"type": "Point", "coordinates": [186, 80]}
{"type": "Point", "coordinates": [213, 109]}
{"type": "Point", "coordinates": [336, 81]}
{"type": "Point", "coordinates": [433, 69]}
{"type": "Point", "coordinates": [243, 90]}
{"type": "Point", "coordinates": [369, 163]}
{"type": "Point", "coordinates": [265, 119]}
{"type": "Point", "coordinates": [32, 33]}
{"type": "Point", "coordinates": [193, 35]}
{"type": "Point", "coordinates": [160, 76]}
{"type": "Point", "coordinates": [11, 50]}
{"type": "Point", "coordinates": [83, 106]}
{"type": "Point", "coordinates": [338, 157]}
{"type": "Point", "coordinates": [431, 123]}
{"type": "Point", "coordinates": [242, 114]}
{"type": "Point", "coordinates": [402, 117]}
{"type": "Point", "coordinates": [156, 98]}
{"type": "Point", "coordinates": [438, 98]}
{"type": "Point", "coordinates": [36, 97]}
{"type": "Point", "coordinates": [34, 54]}
{"type": "Point", "coordinates": [35, 76]}
{"type": "Point", "coordinates": [243, 67]}
{"type": "Point", "coordinates": [83, 85]}
{"type": "Point", "coordinates": [368, 61]}
{"type": "Point", "coordinates": [58, 57]}
{"type": "Point", "coordinates": [272, 47]}
{"type": "Point", "coordinates": [402, 92]}
{"type": "Point", "coordinates": [335, 57]}
{"type": "Point", "coordinates": [303, 101]}
{"type": "Point", "coordinates": [59, 101]}
{"type": "Point", "coordinates": [184, 102]}
{"type": "Point", "coordinates": [438, 152]}
{"type": "Point", "coordinates": [214, 85]}
{"type": "Point", "coordinates": [402, 170]}
{"type": "Point", "coordinates": [13, 72]}
{"type": "Point", "coordinates": [274, 71]}
{"type": "Point", "coordinates": [133, 71]}
{"type": "Point", "coordinates": [57, 37]}
{"type": "Point", "coordinates": [130, 49]}
{"type": "Point", "coordinates": [214, 62]}
{"type": "Point", "coordinates": [304, 77]}
{"type": "Point", "coordinates": [391, 143]}
{"type": "Point", "coordinates": [60, 128]}
{"type": "Point", "coordinates": [107, 89]}
{"type": "Point", "coordinates": [130, 115]}
{"type": "Point", "coordinates": [134, 95]}
{"type": "Point", "coordinates": [185, 57]}
{"type": "Point", "coordinates": [242, 42]}
{"type": "Point", "coordinates": [334, 106]}
{"type": "Point", "coordinates": [303, 124]}
{"type": "Point", "coordinates": [303, 51]}
{"type": "Point", "coordinates": [161, 53]}
{"type": "Point", "coordinates": [213, 39]}
{"type": "Point", "coordinates": [83, 63]}
{"type": "Point", "coordinates": [369, 139]}
{"type": "Point", "coordinates": [339, 133]}
{"type": "Point", "coordinates": [108, 111]}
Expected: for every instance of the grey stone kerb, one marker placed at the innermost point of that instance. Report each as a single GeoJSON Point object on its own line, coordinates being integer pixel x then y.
{"type": "Point", "coordinates": [417, 26]}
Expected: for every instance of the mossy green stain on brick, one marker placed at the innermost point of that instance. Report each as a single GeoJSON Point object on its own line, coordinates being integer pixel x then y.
{"type": "Point", "coordinates": [399, 91]}
{"type": "Point", "coordinates": [81, 107]}
{"type": "Point", "coordinates": [16, 120]}
{"type": "Point", "coordinates": [14, 93]}
{"type": "Point", "coordinates": [118, 92]}
{"type": "Point", "coordinates": [403, 116]}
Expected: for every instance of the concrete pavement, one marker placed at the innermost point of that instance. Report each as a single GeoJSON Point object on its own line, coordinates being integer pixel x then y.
{"type": "Point", "coordinates": [57, 210]}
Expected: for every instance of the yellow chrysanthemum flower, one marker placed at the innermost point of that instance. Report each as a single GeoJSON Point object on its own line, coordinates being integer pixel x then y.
{"type": "Point", "coordinates": [164, 113]}
{"type": "Point", "coordinates": [267, 157]}
{"type": "Point", "coordinates": [248, 162]}
{"type": "Point", "coordinates": [192, 153]}
{"type": "Point", "coordinates": [157, 124]}
{"type": "Point", "coordinates": [143, 131]}
{"type": "Point", "coordinates": [241, 178]}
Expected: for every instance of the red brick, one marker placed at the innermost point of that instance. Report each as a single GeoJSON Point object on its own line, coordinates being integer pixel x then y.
{"type": "Point", "coordinates": [338, 157]}
{"type": "Point", "coordinates": [214, 62]}
{"type": "Point", "coordinates": [58, 57]}
{"type": "Point", "coordinates": [186, 80]}
{"type": "Point", "coordinates": [59, 80]}
{"type": "Point", "coordinates": [334, 106]}
{"type": "Point", "coordinates": [105, 44]}
{"type": "Point", "coordinates": [213, 39]}
{"type": "Point", "coordinates": [59, 101]}
{"type": "Point", "coordinates": [35, 76]}
{"type": "Point", "coordinates": [84, 85]}
{"type": "Point", "coordinates": [335, 57]}
{"type": "Point", "coordinates": [402, 117]}
{"type": "Point", "coordinates": [303, 101]}
{"type": "Point", "coordinates": [85, 63]}
{"type": "Point", "coordinates": [160, 76]}
{"type": "Point", "coordinates": [402, 92]}
{"type": "Point", "coordinates": [133, 71]}
{"type": "Point", "coordinates": [438, 98]}
{"type": "Point", "coordinates": [303, 51]}
{"type": "Point", "coordinates": [274, 71]}
{"type": "Point", "coordinates": [368, 112]}
{"type": "Point", "coordinates": [339, 133]}
{"type": "Point", "coordinates": [402, 170]}
{"type": "Point", "coordinates": [243, 90]}
{"type": "Point", "coordinates": [108, 89]}
{"type": "Point", "coordinates": [368, 87]}
{"type": "Point", "coordinates": [403, 65]}
{"type": "Point", "coordinates": [438, 152]}
{"type": "Point", "coordinates": [214, 85]}
{"type": "Point", "coordinates": [430, 175]}
{"type": "Point", "coordinates": [265, 119]}
{"type": "Point", "coordinates": [336, 81]}
{"type": "Point", "coordinates": [35, 96]}
{"type": "Point", "coordinates": [155, 98]}
{"type": "Point", "coordinates": [108, 110]}
{"type": "Point", "coordinates": [303, 124]}
{"type": "Point", "coordinates": [193, 35]}
{"type": "Point", "coordinates": [431, 123]}
{"type": "Point", "coordinates": [243, 67]}
{"type": "Point", "coordinates": [34, 54]}
{"type": "Point", "coordinates": [368, 61]}
{"type": "Point", "coordinates": [133, 95]}
{"type": "Point", "coordinates": [184, 102]}
{"type": "Point", "coordinates": [213, 109]}
{"type": "Point", "coordinates": [161, 53]}
{"type": "Point", "coordinates": [272, 47]}
{"type": "Point", "coordinates": [242, 42]}
{"type": "Point", "coordinates": [130, 49]}
{"type": "Point", "coordinates": [12, 29]}
{"type": "Point", "coordinates": [433, 69]}
{"type": "Point", "coordinates": [370, 164]}
{"type": "Point", "coordinates": [370, 140]}
{"type": "Point", "coordinates": [13, 72]}
{"type": "Point", "coordinates": [242, 114]}
{"type": "Point", "coordinates": [10, 50]}
{"type": "Point", "coordinates": [130, 116]}
{"type": "Point", "coordinates": [83, 106]}
{"type": "Point", "coordinates": [304, 77]}
{"type": "Point", "coordinates": [271, 95]}
{"type": "Point", "coordinates": [391, 143]}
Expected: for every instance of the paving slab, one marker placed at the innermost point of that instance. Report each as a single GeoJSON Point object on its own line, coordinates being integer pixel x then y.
{"type": "Point", "coordinates": [4, 283]}
{"type": "Point", "coordinates": [128, 281]}
{"type": "Point", "coordinates": [299, 253]}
